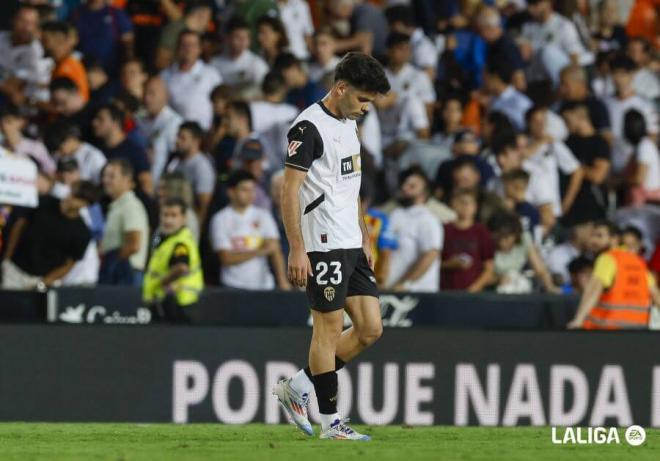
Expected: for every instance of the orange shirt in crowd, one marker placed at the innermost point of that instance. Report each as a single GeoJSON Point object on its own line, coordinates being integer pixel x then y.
{"type": "Point", "coordinates": [73, 69]}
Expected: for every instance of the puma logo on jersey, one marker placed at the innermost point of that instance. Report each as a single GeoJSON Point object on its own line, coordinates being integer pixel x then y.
{"type": "Point", "coordinates": [293, 148]}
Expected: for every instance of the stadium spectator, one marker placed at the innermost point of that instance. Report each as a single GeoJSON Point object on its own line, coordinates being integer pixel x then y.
{"type": "Point", "coordinates": [246, 239]}
{"type": "Point", "coordinates": [424, 53]}
{"type": "Point", "coordinates": [133, 78]}
{"type": "Point", "coordinates": [125, 239]}
{"type": "Point", "coordinates": [45, 243]}
{"type": "Point", "coordinates": [102, 89]}
{"type": "Point", "coordinates": [12, 124]}
{"type": "Point", "coordinates": [633, 240]}
{"type": "Point", "coordinates": [297, 19]}
{"type": "Point", "coordinates": [175, 186]}
{"type": "Point", "coordinates": [23, 69]}
{"type": "Point", "coordinates": [450, 122]}
{"type": "Point", "coordinates": [368, 27]}
{"type": "Point", "coordinates": [195, 166]}
{"type": "Point", "coordinates": [59, 39]}
{"type": "Point", "coordinates": [645, 82]}
{"type": "Point", "coordinates": [514, 251]}
{"type": "Point", "coordinates": [272, 38]}
{"type": "Point", "coordinates": [196, 18]}
{"type": "Point", "coordinates": [104, 33]}
{"type": "Point", "coordinates": [63, 139]}
{"type": "Point", "coordinates": [240, 68]}
{"type": "Point", "coordinates": [159, 124]}
{"type": "Point", "coordinates": [515, 184]}
{"type": "Point", "coordinates": [108, 128]}
{"type": "Point", "coordinates": [69, 105]}
{"type": "Point", "coordinates": [608, 35]}
{"type": "Point", "coordinates": [190, 81]}
{"type": "Point", "coordinates": [574, 89]}
{"type": "Point", "coordinates": [580, 270]}
{"type": "Point", "coordinates": [578, 244]}
{"type": "Point", "coordinates": [325, 59]}
{"type": "Point", "coordinates": [505, 98]}
{"type": "Point", "coordinates": [643, 172]}
{"type": "Point", "coordinates": [303, 91]}
{"type": "Point", "coordinates": [174, 280]}
{"type": "Point", "coordinates": [468, 251]}
{"type": "Point", "coordinates": [252, 158]}
{"type": "Point", "coordinates": [419, 237]}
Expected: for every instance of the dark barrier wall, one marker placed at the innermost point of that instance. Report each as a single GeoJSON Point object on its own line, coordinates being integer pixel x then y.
{"type": "Point", "coordinates": [112, 305]}
{"type": "Point", "coordinates": [420, 377]}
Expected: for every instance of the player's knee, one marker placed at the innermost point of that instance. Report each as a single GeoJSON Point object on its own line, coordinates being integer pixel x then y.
{"type": "Point", "coordinates": [370, 335]}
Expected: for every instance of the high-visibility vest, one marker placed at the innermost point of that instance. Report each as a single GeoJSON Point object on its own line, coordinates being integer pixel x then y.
{"type": "Point", "coordinates": [626, 304]}
{"type": "Point", "coordinates": [186, 288]}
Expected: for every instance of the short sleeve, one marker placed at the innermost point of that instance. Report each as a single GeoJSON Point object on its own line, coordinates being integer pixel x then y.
{"type": "Point", "coordinates": [205, 183]}
{"type": "Point", "coordinates": [605, 269]}
{"type": "Point", "coordinates": [135, 218]}
{"type": "Point", "coordinates": [305, 146]}
{"type": "Point", "coordinates": [180, 255]}
{"type": "Point", "coordinates": [219, 238]}
{"type": "Point", "coordinates": [269, 227]}
{"type": "Point", "coordinates": [431, 233]}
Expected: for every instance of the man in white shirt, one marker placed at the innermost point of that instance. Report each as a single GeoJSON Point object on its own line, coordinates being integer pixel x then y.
{"type": "Point", "coordinates": [551, 41]}
{"type": "Point", "coordinates": [190, 81]}
{"type": "Point", "coordinates": [646, 82]}
{"type": "Point", "coordinates": [297, 20]}
{"type": "Point", "coordinates": [159, 123]}
{"type": "Point", "coordinates": [505, 98]}
{"type": "Point", "coordinates": [240, 68]}
{"type": "Point", "coordinates": [623, 71]}
{"type": "Point", "coordinates": [23, 67]}
{"type": "Point", "coordinates": [420, 237]}
{"type": "Point", "coordinates": [424, 52]}
{"type": "Point", "coordinates": [63, 140]}
{"type": "Point", "coordinates": [245, 238]}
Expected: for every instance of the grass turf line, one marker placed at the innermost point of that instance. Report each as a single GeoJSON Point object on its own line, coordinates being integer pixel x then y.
{"type": "Point", "coordinates": [163, 442]}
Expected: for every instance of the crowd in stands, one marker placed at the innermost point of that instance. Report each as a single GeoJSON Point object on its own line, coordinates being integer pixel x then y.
{"type": "Point", "coordinates": [514, 133]}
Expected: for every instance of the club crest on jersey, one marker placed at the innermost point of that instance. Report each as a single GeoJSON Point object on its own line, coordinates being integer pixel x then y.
{"type": "Point", "coordinates": [329, 293]}
{"type": "Point", "coordinates": [293, 148]}
{"type": "Point", "coordinates": [351, 165]}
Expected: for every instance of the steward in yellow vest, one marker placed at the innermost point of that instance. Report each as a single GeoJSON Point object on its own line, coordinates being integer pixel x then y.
{"type": "Point", "coordinates": [173, 279]}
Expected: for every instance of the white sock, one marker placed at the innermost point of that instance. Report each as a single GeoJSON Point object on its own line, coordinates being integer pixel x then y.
{"type": "Point", "coordinates": [327, 420]}
{"type": "Point", "coordinates": [301, 383]}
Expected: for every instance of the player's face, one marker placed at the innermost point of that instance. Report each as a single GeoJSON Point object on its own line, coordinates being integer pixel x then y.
{"type": "Point", "coordinates": [172, 219]}
{"type": "Point", "coordinates": [355, 103]}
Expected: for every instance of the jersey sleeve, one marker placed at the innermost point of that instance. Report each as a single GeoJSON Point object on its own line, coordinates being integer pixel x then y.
{"type": "Point", "coordinates": [180, 255]}
{"type": "Point", "coordinates": [305, 146]}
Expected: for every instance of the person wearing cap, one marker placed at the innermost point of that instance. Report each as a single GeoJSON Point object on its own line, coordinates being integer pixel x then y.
{"type": "Point", "coordinates": [195, 165]}
{"type": "Point", "coordinates": [251, 158]}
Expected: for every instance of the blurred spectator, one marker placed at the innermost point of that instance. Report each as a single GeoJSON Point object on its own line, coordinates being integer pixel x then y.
{"type": "Point", "coordinates": [325, 59]}
{"type": "Point", "coordinates": [551, 41]}
{"type": "Point", "coordinates": [303, 91]}
{"type": "Point", "coordinates": [195, 166]}
{"type": "Point", "coordinates": [190, 81]}
{"type": "Point", "coordinates": [64, 141]}
{"type": "Point", "coordinates": [419, 237]}
{"type": "Point", "coordinates": [252, 158]}
{"type": "Point", "coordinates": [645, 83]}
{"type": "Point", "coordinates": [574, 88]}
{"type": "Point", "coordinates": [59, 39]}
{"type": "Point", "coordinates": [654, 263]}
{"type": "Point", "coordinates": [623, 69]}
{"type": "Point", "coordinates": [553, 157]}
{"type": "Point", "coordinates": [515, 184]}
{"type": "Point", "coordinates": [468, 251]}
{"type": "Point", "coordinates": [424, 53]}
{"type": "Point", "coordinates": [580, 269]}
{"type": "Point", "coordinates": [175, 186]}
{"type": "Point", "coordinates": [643, 171]}
{"type": "Point", "coordinates": [12, 124]}
{"type": "Point", "coordinates": [133, 78]}
{"type": "Point", "coordinates": [500, 47]}
{"type": "Point", "coordinates": [465, 174]}
{"type": "Point", "coordinates": [246, 239]}
{"type": "Point", "coordinates": [108, 127]}
{"type": "Point", "coordinates": [23, 69]}
{"type": "Point", "coordinates": [593, 152]}
{"type": "Point", "coordinates": [125, 239]}
{"type": "Point", "coordinates": [450, 122]}
{"type": "Point", "coordinates": [632, 239]}
{"type": "Point", "coordinates": [196, 18]}
{"type": "Point", "coordinates": [272, 38]}
{"type": "Point", "coordinates": [44, 243]}
{"type": "Point", "coordinates": [297, 19]}
{"type": "Point", "coordinates": [505, 98]}
{"type": "Point", "coordinates": [104, 32]}
{"type": "Point", "coordinates": [514, 251]}
{"type": "Point", "coordinates": [239, 129]}
{"type": "Point", "coordinates": [240, 68]}
{"type": "Point", "coordinates": [68, 103]}
{"type": "Point", "coordinates": [102, 89]}
{"type": "Point", "coordinates": [220, 98]}
{"type": "Point", "coordinates": [159, 123]}
{"type": "Point", "coordinates": [367, 27]}
{"type": "Point", "coordinates": [381, 238]}
{"type": "Point", "coordinates": [578, 244]}
{"type": "Point", "coordinates": [174, 280]}
{"type": "Point", "coordinates": [608, 35]}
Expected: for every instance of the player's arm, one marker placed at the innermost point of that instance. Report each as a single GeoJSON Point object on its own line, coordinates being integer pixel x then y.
{"type": "Point", "coordinates": [366, 244]}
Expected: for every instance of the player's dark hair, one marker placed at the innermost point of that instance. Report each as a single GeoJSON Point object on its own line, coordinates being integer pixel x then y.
{"type": "Point", "coordinates": [193, 128]}
{"type": "Point", "coordinates": [400, 13]}
{"type": "Point", "coordinates": [172, 202]}
{"type": "Point", "coordinates": [634, 231]}
{"type": "Point", "coordinates": [125, 167]}
{"type": "Point", "coordinates": [515, 175]}
{"type": "Point", "coordinates": [612, 228]}
{"type": "Point", "coordinates": [56, 134]}
{"type": "Point", "coordinates": [64, 84]}
{"type": "Point", "coordinates": [276, 24]}
{"type": "Point", "coordinates": [363, 72]}
{"type": "Point", "coordinates": [114, 112]}
{"type": "Point", "coordinates": [396, 38]}
{"type": "Point", "coordinates": [242, 108]}
{"type": "Point", "coordinates": [236, 23]}
{"type": "Point", "coordinates": [273, 83]}
{"type": "Point", "coordinates": [238, 177]}
{"type": "Point", "coordinates": [87, 191]}
{"type": "Point", "coordinates": [634, 126]}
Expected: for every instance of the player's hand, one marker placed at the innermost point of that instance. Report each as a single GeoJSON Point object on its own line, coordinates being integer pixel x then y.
{"type": "Point", "coordinates": [299, 267]}
{"type": "Point", "coordinates": [574, 324]}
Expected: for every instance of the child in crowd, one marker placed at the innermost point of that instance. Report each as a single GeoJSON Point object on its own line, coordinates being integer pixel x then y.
{"type": "Point", "coordinates": [515, 187]}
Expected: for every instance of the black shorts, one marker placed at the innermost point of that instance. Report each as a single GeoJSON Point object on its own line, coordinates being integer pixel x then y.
{"type": "Point", "coordinates": [339, 274]}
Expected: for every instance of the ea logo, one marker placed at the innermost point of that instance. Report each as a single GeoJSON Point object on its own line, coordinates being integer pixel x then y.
{"type": "Point", "coordinates": [635, 435]}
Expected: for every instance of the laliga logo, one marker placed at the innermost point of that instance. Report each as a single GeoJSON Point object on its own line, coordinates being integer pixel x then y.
{"type": "Point", "coordinates": [635, 435]}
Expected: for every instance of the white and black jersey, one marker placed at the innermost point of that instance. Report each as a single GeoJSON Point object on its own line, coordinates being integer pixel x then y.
{"type": "Point", "coordinates": [328, 149]}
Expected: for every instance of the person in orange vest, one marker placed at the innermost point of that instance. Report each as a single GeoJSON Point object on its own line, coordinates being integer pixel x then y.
{"type": "Point", "coordinates": [621, 290]}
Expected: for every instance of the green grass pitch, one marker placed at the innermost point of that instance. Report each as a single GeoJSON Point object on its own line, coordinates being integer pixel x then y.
{"type": "Point", "coordinates": [162, 442]}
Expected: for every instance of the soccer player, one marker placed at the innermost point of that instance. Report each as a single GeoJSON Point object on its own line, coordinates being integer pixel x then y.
{"type": "Point", "coordinates": [330, 253]}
